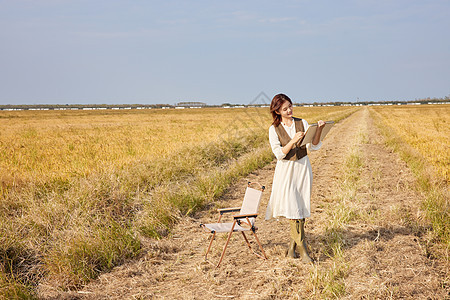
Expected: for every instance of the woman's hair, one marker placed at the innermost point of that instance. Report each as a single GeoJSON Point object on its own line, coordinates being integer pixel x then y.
{"type": "Point", "coordinates": [275, 106]}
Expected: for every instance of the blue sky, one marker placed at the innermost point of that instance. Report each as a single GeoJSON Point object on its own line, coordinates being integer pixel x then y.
{"type": "Point", "coordinates": [57, 51]}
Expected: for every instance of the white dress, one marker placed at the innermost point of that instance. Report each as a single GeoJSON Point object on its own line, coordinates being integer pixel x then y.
{"type": "Point", "coordinates": [292, 181]}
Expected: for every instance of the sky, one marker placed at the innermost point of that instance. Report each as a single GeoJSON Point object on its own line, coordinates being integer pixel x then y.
{"type": "Point", "coordinates": [149, 52]}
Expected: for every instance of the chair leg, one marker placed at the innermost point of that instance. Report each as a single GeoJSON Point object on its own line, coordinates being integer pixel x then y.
{"type": "Point", "coordinates": [250, 247]}
{"type": "Point", "coordinates": [260, 246]}
{"type": "Point", "coordinates": [248, 243]}
{"type": "Point", "coordinates": [226, 244]}
{"type": "Point", "coordinates": [210, 243]}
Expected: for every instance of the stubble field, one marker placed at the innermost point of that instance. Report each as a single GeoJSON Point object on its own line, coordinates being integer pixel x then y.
{"type": "Point", "coordinates": [81, 190]}
{"type": "Point", "coordinates": [421, 136]}
{"type": "Point", "coordinates": [378, 230]}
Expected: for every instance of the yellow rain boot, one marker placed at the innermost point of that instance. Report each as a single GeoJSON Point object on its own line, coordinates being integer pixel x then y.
{"type": "Point", "coordinates": [303, 249]}
{"type": "Point", "coordinates": [294, 236]}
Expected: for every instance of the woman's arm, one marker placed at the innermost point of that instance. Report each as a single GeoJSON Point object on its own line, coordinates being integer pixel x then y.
{"type": "Point", "coordinates": [275, 144]}
{"type": "Point", "coordinates": [316, 138]}
{"type": "Point", "coordinates": [297, 137]}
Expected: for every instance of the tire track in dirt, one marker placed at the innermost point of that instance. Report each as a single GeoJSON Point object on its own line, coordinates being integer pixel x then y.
{"type": "Point", "coordinates": [383, 249]}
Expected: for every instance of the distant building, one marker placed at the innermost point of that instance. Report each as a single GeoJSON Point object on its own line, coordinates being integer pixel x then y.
{"type": "Point", "coordinates": [190, 104]}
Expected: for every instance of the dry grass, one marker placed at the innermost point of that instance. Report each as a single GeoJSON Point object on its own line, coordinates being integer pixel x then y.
{"type": "Point", "coordinates": [424, 128]}
{"type": "Point", "coordinates": [381, 254]}
{"type": "Point", "coordinates": [356, 204]}
{"type": "Point", "coordinates": [79, 188]}
{"type": "Point", "coordinates": [421, 136]}
{"type": "Point", "coordinates": [328, 280]}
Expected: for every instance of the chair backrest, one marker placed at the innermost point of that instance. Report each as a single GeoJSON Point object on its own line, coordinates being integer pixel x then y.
{"type": "Point", "coordinates": [251, 201]}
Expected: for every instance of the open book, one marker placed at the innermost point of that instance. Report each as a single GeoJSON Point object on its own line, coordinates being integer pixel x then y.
{"type": "Point", "coordinates": [311, 131]}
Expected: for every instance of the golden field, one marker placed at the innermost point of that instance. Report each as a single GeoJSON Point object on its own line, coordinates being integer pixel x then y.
{"type": "Point", "coordinates": [421, 135]}
{"type": "Point", "coordinates": [426, 129]}
{"type": "Point", "coordinates": [80, 189]}
{"type": "Point", "coordinates": [38, 146]}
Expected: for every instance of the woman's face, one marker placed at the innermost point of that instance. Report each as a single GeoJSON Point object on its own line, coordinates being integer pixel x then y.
{"type": "Point", "coordinates": [286, 110]}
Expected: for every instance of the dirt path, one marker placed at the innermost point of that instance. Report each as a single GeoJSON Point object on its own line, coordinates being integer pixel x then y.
{"type": "Point", "coordinates": [383, 255]}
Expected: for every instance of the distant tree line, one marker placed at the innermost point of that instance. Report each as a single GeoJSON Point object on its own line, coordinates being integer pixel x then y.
{"type": "Point", "coordinates": [185, 104]}
{"type": "Point", "coordinates": [83, 106]}
{"type": "Point", "coordinates": [342, 103]}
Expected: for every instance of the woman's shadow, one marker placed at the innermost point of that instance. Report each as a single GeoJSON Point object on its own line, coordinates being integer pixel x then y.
{"type": "Point", "coordinates": [323, 246]}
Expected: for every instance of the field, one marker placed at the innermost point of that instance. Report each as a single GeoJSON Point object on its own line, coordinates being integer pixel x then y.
{"type": "Point", "coordinates": [378, 229]}
{"type": "Point", "coordinates": [81, 190]}
{"type": "Point", "coordinates": [424, 128]}
{"type": "Point", "coordinates": [421, 135]}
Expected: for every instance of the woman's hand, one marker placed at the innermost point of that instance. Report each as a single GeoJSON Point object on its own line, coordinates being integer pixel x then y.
{"type": "Point", "coordinates": [298, 136]}
{"type": "Point", "coordinates": [316, 138]}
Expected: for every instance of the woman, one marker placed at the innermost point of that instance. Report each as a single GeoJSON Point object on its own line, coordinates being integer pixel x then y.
{"type": "Point", "coordinates": [292, 181]}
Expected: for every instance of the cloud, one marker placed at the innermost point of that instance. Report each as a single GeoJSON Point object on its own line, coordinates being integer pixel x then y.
{"type": "Point", "coordinates": [147, 33]}
{"type": "Point", "coordinates": [243, 16]}
{"type": "Point", "coordinates": [248, 16]}
{"type": "Point", "coordinates": [278, 20]}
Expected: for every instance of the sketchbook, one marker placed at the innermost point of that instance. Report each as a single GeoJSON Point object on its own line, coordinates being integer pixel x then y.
{"type": "Point", "coordinates": [311, 131]}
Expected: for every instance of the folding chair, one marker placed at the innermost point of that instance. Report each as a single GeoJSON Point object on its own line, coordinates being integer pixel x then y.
{"type": "Point", "coordinates": [244, 221]}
